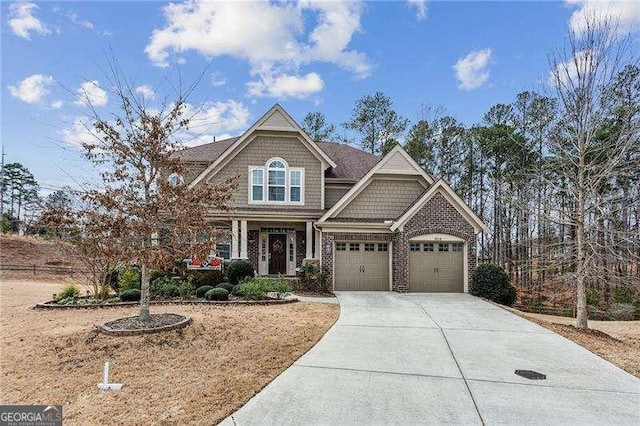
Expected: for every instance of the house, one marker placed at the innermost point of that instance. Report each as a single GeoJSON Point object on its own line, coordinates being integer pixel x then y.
{"type": "Point", "coordinates": [375, 223]}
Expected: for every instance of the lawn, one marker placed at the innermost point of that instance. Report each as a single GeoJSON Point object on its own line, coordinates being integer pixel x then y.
{"type": "Point", "coordinates": [616, 341]}
{"type": "Point", "coordinates": [197, 375]}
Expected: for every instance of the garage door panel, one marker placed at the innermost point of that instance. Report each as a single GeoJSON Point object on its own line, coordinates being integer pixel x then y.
{"type": "Point", "coordinates": [361, 266]}
{"type": "Point", "coordinates": [436, 267]}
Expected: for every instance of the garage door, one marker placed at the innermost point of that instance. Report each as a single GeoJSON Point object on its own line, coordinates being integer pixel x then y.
{"type": "Point", "coordinates": [436, 267]}
{"type": "Point", "coordinates": [361, 266]}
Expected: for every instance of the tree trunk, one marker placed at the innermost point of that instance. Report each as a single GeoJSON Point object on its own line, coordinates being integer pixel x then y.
{"type": "Point", "coordinates": [144, 293]}
{"type": "Point", "coordinates": [581, 267]}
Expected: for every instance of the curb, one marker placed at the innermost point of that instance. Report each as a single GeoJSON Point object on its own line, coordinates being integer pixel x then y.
{"type": "Point", "coordinates": [105, 329]}
{"type": "Point", "coordinates": [51, 304]}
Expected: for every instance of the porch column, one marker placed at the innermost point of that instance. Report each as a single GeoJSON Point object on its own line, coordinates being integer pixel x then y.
{"type": "Point", "coordinates": [243, 240]}
{"type": "Point", "coordinates": [318, 248]}
{"type": "Point", "coordinates": [309, 240]}
{"type": "Point", "coordinates": [234, 239]}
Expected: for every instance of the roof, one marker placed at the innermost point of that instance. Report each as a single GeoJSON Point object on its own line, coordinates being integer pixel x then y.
{"type": "Point", "coordinates": [351, 163]}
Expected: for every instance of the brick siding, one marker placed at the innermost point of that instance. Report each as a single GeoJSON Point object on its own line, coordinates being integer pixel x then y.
{"type": "Point", "coordinates": [252, 243]}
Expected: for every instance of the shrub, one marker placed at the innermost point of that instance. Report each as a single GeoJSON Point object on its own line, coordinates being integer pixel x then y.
{"type": "Point", "coordinates": [625, 295]}
{"type": "Point", "coordinates": [200, 278]}
{"type": "Point", "coordinates": [492, 282]}
{"type": "Point", "coordinates": [131, 295]}
{"type": "Point", "coordinates": [593, 298]}
{"type": "Point", "coordinates": [201, 291]}
{"type": "Point", "coordinates": [254, 289]}
{"type": "Point", "coordinates": [166, 287]}
{"type": "Point", "coordinates": [186, 288]}
{"type": "Point", "coordinates": [154, 274]}
{"type": "Point", "coordinates": [237, 290]}
{"type": "Point", "coordinates": [280, 287]}
{"type": "Point", "coordinates": [69, 291]}
{"type": "Point", "coordinates": [217, 294]}
{"type": "Point", "coordinates": [622, 311]}
{"type": "Point", "coordinates": [227, 286]}
{"type": "Point", "coordinates": [315, 278]}
{"type": "Point", "coordinates": [239, 270]}
{"type": "Point", "coordinates": [129, 279]}
{"type": "Point", "coordinates": [156, 286]}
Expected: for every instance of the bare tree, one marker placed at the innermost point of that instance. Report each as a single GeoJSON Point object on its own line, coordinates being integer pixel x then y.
{"type": "Point", "coordinates": [145, 209]}
{"type": "Point", "coordinates": [582, 76]}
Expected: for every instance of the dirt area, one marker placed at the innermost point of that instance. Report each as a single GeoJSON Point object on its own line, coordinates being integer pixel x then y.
{"type": "Point", "coordinates": [616, 341]}
{"type": "Point", "coordinates": [197, 375]}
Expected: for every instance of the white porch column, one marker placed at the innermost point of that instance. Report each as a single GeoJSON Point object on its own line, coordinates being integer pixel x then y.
{"type": "Point", "coordinates": [318, 248]}
{"type": "Point", "coordinates": [244, 254]}
{"type": "Point", "coordinates": [309, 240]}
{"type": "Point", "coordinates": [234, 239]}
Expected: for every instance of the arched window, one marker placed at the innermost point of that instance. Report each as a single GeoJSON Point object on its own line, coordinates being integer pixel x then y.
{"type": "Point", "coordinates": [175, 180]}
{"type": "Point", "coordinates": [276, 183]}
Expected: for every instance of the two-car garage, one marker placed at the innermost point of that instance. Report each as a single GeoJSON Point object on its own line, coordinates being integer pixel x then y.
{"type": "Point", "coordinates": [434, 265]}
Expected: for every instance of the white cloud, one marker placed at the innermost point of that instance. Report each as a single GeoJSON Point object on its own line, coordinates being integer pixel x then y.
{"type": "Point", "coordinates": [471, 71]}
{"type": "Point", "coordinates": [265, 34]}
{"type": "Point", "coordinates": [218, 79]}
{"type": "Point", "coordinates": [219, 119]}
{"type": "Point", "coordinates": [626, 14]}
{"type": "Point", "coordinates": [575, 69]}
{"type": "Point", "coordinates": [32, 89]}
{"type": "Point", "coordinates": [90, 93]}
{"type": "Point", "coordinates": [57, 104]}
{"type": "Point", "coordinates": [73, 17]}
{"type": "Point", "coordinates": [80, 132]}
{"type": "Point", "coordinates": [421, 8]}
{"type": "Point", "coordinates": [23, 22]}
{"type": "Point", "coordinates": [146, 91]}
{"type": "Point", "coordinates": [283, 86]}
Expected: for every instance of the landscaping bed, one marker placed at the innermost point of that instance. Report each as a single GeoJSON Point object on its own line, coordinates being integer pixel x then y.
{"type": "Point", "coordinates": [133, 326]}
{"type": "Point", "coordinates": [196, 375]}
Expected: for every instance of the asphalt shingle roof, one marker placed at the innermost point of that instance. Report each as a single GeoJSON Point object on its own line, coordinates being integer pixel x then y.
{"type": "Point", "coordinates": [351, 163]}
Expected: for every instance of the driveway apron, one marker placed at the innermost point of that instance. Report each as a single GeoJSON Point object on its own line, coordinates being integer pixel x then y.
{"type": "Point", "coordinates": [442, 359]}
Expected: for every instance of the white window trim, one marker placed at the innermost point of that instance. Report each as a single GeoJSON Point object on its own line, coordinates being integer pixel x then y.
{"type": "Point", "coordinates": [265, 184]}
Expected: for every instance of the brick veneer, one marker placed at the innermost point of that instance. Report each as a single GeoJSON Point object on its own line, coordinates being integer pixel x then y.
{"type": "Point", "coordinates": [438, 216]}
{"type": "Point", "coordinates": [301, 248]}
{"type": "Point", "coordinates": [252, 243]}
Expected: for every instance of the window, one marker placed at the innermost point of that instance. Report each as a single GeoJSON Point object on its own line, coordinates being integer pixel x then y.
{"type": "Point", "coordinates": [276, 182]}
{"type": "Point", "coordinates": [223, 248]}
{"type": "Point", "coordinates": [427, 247]}
{"type": "Point", "coordinates": [369, 247]}
{"type": "Point", "coordinates": [257, 185]}
{"type": "Point", "coordinates": [414, 247]}
{"type": "Point", "coordinates": [175, 180]}
{"type": "Point", "coordinates": [443, 247]}
{"type": "Point", "coordinates": [291, 250]}
{"type": "Point", "coordinates": [295, 185]}
{"type": "Point", "coordinates": [354, 247]}
{"type": "Point", "coordinates": [456, 247]}
{"type": "Point", "coordinates": [341, 246]}
{"type": "Point", "coordinates": [383, 247]}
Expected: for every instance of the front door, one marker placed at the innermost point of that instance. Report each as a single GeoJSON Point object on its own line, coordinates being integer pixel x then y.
{"type": "Point", "coordinates": [277, 253]}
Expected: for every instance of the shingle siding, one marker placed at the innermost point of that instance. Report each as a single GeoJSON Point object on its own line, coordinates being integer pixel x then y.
{"type": "Point", "coordinates": [257, 153]}
{"type": "Point", "coordinates": [332, 194]}
{"type": "Point", "coordinates": [383, 199]}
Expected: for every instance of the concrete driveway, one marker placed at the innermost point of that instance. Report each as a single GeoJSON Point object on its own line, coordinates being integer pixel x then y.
{"type": "Point", "coordinates": [442, 358]}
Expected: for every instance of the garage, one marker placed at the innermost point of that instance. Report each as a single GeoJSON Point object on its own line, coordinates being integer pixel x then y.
{"type": "Point", "coordinates": [436, 267]}
{"type": "Point", "coordinates": [361, 266]}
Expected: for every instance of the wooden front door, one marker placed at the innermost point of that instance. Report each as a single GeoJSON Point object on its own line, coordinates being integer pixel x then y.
{"type": "Point", "coordinates": [277, 253]}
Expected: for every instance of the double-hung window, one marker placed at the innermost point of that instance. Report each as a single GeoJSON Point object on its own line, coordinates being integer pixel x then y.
{"type": "Point", "coordinates": [276, 183]}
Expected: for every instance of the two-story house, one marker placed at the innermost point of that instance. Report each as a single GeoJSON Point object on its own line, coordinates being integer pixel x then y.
{"type": "Point", "coordinates": [376, 223]}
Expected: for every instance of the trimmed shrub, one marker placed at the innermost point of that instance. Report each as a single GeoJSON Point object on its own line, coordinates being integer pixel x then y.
{"type": "Point", "coordinates": [201, 291]}
{"type": "Point", "coordinates": [239, 270]}
{"type": "Point", "coordinates": [492, 282]}
{"type": "Point", "coordinates": [217, 294]}
{"type": "Point", "coordinates": [131, 295]}
{"type": "Point", "coordinates": [69, 291]}
{"type": "Point", "coordinates": [237, 290]}
{"type": "Point", "coordinates": [200, 278]}
{"type": "Point", "coordinates": [622, 312]}
{"type": "Point", "coordinates": [129, 279]}
{"type": "Point", "coordinates": [227, 286]}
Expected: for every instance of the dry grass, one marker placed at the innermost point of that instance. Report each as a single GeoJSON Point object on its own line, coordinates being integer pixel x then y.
{"type": "Point", "coordinates": [616, 341]}
{"type": "Point", "coordinates": [198, 375]}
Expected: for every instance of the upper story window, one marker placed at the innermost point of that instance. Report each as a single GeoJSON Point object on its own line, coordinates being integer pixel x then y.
{"type": "Point", "coordinates": [175, 180]}
{"type": "Point", "coordinates": [276, 183]}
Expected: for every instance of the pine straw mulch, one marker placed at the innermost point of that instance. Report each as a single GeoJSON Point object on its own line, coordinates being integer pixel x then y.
{"type": "Point", "coordinates": [623, 351]}
{"type": "Point", "coordinates": [199, 374]}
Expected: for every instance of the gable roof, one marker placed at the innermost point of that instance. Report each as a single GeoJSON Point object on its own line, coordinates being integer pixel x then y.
{"type": "Point", "coordinates": [276, 119]}
{"type": "Point", "coordinates": [441, 187]}
{"type": "Point", "coordinates": [351, 163]}
{"type": "Point", "coordinates": [397, 161]}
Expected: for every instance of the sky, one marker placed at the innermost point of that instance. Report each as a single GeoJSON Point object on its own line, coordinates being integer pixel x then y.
{"type": "Point", "coordinates": [461, 56]}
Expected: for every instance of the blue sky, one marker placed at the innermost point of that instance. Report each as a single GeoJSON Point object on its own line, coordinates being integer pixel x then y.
{"type": "Point", "coordinates": [462, 56]}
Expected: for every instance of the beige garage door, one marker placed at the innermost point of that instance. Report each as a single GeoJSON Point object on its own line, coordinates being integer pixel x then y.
{"type": "Point", "coordinates": [361, 266]}
{"type": "Point", "coordinates": [436, 267]}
